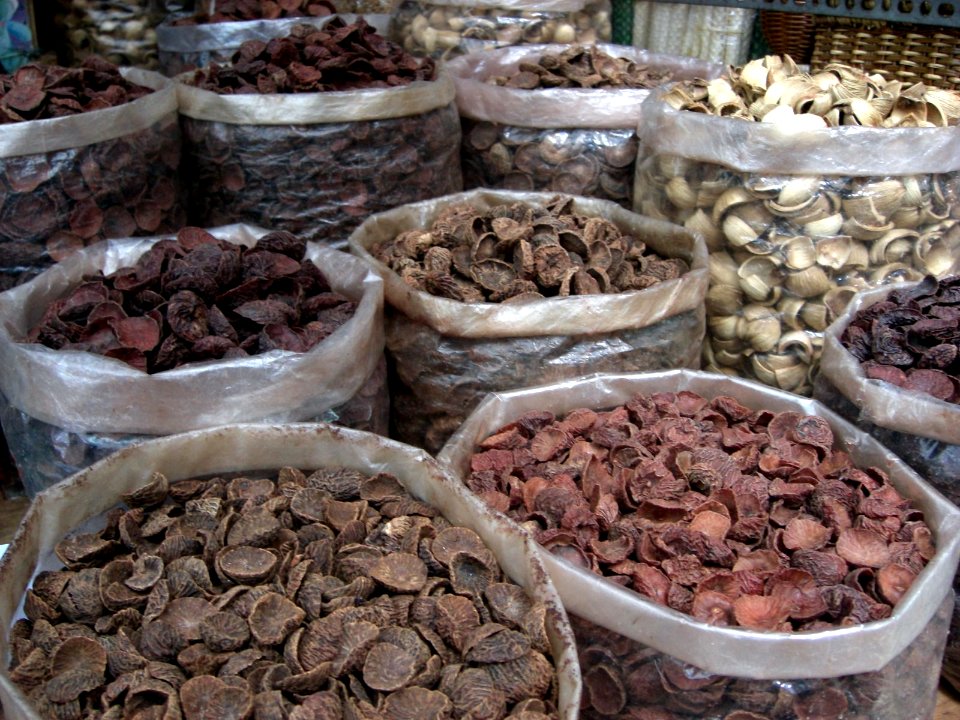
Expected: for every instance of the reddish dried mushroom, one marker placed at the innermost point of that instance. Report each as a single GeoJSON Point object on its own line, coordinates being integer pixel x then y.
{"type": "Point", "coordinates": [737, 517]}
{"type": "Point", "coordinates": [511, 253]}
{"type": "Point", "coordinates": [198, 298]}
{"type": "Point", "coordinates": [237, 608]}
{"type": "Point", "coordinates": [340, 56]}
{"type": "Point", "coordinates": [234, 10]}
{"type": "Point", "coordinates": [37, 92]}
{"type": "Point", "coordinates": [581, 66]}
{"type": "Point", "coordinates": [910, 339]}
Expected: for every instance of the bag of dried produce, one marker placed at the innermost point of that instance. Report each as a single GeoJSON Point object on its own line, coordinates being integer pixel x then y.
{"type": "Point", "coordinates": [491, 290]}
{"type": "Point", "coordinates": [454, 27]}
{"type": "Point", "coordinates": [186, 42]}
{"type": "Point", "coordinates": [263, 571]}
{"type": "Point", "coordinates": [85, 154]}
{"type": "Point", "coordinates": [122, 31]}
{"type": "Point", "coordinates": [807, 189]}
{"type": "Point", "coordinates": [715, 33]}
{"type": "Point", "coordinates": [353, 125]}
{"type": "Point", "coordinates": [726, 550]}
{"type": "Point", "coordinates": [889, 366]}
{"type": "Point", "coordinates": [135, 338]}
{"type": "Point", "coordinates": [556, 117]}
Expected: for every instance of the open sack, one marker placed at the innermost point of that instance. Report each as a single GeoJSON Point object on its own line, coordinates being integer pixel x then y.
{"type": "Point", "coordinates": [66, 409]}
{"type": "Point", "coordinates": [254, 451]}
{"type": "Point", "coordinates": [445, 355]}
{"type": "Point", "coordinates": [713, 671]}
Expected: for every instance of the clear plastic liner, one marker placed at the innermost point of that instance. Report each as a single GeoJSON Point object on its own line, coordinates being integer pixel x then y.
{"type": "Point", "coordinates": [81, 501]}
{"type": "Point", "coordinates": [454, 27]}
{"type": "Point", "coordinates": [315, 164]}
{"type": "Point", "coordinates": [71, 181]}
{"type": "Point", "coordinates": [187, 47]}
{"type": "Point", "coordinates": [885, 670]}
{"type": "Point", "coordinates": [66, 409]}
{"type": "Point", "coordinates": [578, 141]}
{"type": "Point", "coordinates": [446, 355]}
{"type": "Point", "coordinates": [921, 430]}
{"type": "Point", "coordinates": [122, 31]}
{"type": "Point", "coordinates": [797, 223]}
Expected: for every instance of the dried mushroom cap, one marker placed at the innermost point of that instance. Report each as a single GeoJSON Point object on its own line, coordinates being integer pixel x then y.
{"type": "Point", "coordinates": [581, 67]}
{"type": "Point", "coordinates": [327, 613]}
{"type": "Point", "coordinates": [493, 261]}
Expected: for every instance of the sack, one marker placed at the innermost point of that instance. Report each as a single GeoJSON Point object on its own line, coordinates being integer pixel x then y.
{"type": "Point", "coordinates": [446, 355]}
{"type": "Point", "coordinates": [571, 140]}
{"type": "Point", "coordinates": [81, 502]}
{"type": "Point", "coordinates": [102, 174]}
{"type": "Point", "coordinates": [921, 430]}
{"type": "Point", "coordinates": [796, 223]}
{"type": "Point", "coordinates": [68, 409]}
{"type": "Point", "coordinates": [672, 662]}
{"type": "Point", "coordinates": [454, 27]}
{"type": "Point", "coordinates": [718, 34]}
{"type": "Point", "coordinates": [187, 47]}
{"type": "Point", "coordinates": [316, 163]}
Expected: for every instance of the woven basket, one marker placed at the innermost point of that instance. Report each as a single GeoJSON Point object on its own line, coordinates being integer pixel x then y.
{"type": "Point", "coordinates": [911, 53]}
{"type": "Point", "coordinates": [788, 33]}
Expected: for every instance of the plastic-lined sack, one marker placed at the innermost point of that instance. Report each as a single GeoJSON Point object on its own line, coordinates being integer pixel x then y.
{"type": "Point", "coordinates": [445, 355]}
{"type": "Point", "coordinates": [81, 502]}
{"type": "Point", "coordinates": [187, 47]}
{"type": "Point", "coordinates": [454, 27]}
{"type": "Point", "coordinates": [920, 429]}
{"type": "Point", "coordinates": [315, 164]}
{"type": "Point", "coordinates": [66, 409]}
{"type": "Point", "coordinates": [646, 655]}
{"type": "Point", "coordinates": [796, 222]}
{"type": "Point", "coordinates": [106, 173]}
{"type": "Point", "coordinates": [122, 31]}
{"type": "Point", "coordinates": [572, 140]}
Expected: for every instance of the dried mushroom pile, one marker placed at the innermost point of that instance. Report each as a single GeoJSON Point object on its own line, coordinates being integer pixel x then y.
{"type": "Point", "coordinates": [789, 251]}
{"type": "Point", "coordinates": [341, 56]}
{"type": "Point", "coordinates": [198, 298]}
{"type": "Point", "coordinates": [326, 595]}
{"type": "Point", "coordinates": [736, 517]}
{"type": "Point", "coordinates": [774, 89]}
{"type": "Point", "coordinates": [512, 253]}
{"type": "Point", "coordinates": [581, 67]}
{"type": "Point", "coordinates": [38, 92]}
{"type": "Point", "coordinates": [234, 10]}
{"type": "Point", "coordinates": [911, 338]}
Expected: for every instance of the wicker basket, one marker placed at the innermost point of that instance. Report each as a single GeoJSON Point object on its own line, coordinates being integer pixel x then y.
{"type": "Point", "coordinates": [912, 53]}
{"type": "Point", "coordinates": [788, 33]}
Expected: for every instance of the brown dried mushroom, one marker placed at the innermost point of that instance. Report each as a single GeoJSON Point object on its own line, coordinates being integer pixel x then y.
{"type": "Point", "coordinates": [238, 606]}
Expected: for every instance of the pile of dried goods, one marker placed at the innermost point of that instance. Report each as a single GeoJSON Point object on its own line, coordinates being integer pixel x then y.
{"type": "Point", "coordinates": [341, 56]}
{"type": "Point", "coordinates": [774, 89]}
{"type": "Point", "coordinates": [581, 67]}
{"type": "Point", "coordinates": [234, 10]}
{"type": "Point", "coordinates": [199, 298]}
{"type": "Point", "coordinates": [522, 251]}
{"type": "Point", "coordinates": [733, 516]}
{"type": "Point", "coordinates": [37, 92]}
{"type": "Point", "coordinates": [333, 594]}
{"type": "Point", "coordinates": [910, 339]}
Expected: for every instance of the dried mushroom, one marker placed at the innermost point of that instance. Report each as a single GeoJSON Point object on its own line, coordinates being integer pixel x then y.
{"type": "Point", "coordinates": [581, 67]}
{"type": "Point", "coordinates": [511, 253]}
{"type": "Point", "coordinates": [234, 10]}
{"type": "Point", "coordinates": [341, 56]}
{"type": "Point", "coordinates": [197, 298]}
{"type": "Point", "coordinates": [341, 609]}
{"type": "Point", "coordinates": [911, 338]}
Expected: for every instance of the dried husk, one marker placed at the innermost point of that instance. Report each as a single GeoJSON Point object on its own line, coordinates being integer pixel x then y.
{"type": "Point", "coordinates": [251, 448]}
